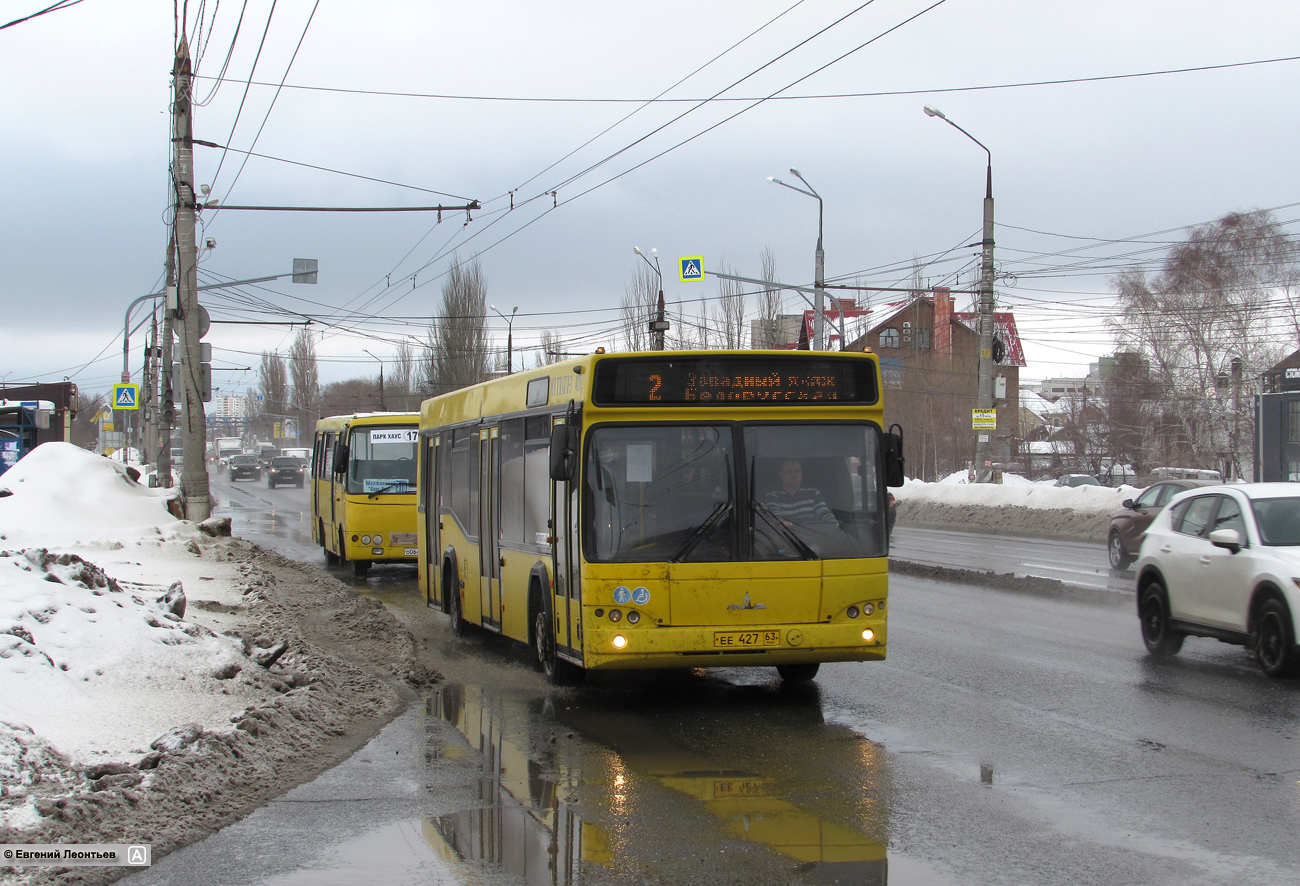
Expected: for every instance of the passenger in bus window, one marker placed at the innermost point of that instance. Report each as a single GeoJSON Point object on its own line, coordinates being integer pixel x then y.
{"type": "Point", "coordinates": [795, 503]}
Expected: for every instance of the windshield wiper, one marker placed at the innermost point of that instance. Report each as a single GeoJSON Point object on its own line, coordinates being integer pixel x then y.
{"type": "Point", "coordinates": [719, 510]}
{"type": "Point", "coordinates": [384, 489]}
{"type": "Point", "coordinates": [786, 532]}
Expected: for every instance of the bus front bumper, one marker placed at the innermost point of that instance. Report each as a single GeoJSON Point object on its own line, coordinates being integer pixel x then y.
{"type": "Point", "coordinates": [713, 646]}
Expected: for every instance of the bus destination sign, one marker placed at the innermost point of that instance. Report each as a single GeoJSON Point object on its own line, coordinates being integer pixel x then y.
{"type": "Point", "coordinates": [734, 380]}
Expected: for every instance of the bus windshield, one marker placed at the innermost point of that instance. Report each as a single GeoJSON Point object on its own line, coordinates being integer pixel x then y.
{"type": "Point", "coordinates": [719, 492]}
{"type": "Point", "coordinates": [381, 461]}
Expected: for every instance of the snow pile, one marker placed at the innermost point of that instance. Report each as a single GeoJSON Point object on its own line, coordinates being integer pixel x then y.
{"type": "Point", "coordinates": [97, 666]}
{"type": "Point", "coordinates": [1016, 491]}
{"type": "Point", "coordinates": [61, 494]}
{"type": "Point", "coordinates": [1017, 507]}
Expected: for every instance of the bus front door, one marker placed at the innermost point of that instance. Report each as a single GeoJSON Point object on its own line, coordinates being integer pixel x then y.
{"type": "Point", "coordinates": [565, 600]}
{"type": "Point", "coordinates": [489, 548]}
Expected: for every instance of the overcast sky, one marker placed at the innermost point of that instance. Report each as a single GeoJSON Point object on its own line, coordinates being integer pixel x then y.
{"type": "Point", "coordinates": [84, 154]}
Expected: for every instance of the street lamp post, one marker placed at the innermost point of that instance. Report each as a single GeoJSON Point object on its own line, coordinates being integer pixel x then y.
{"type": "Point", "coordinates": [382, 407]}
{"type": "Point", "coordinates": [659, 325]}
{"type": "Point", "coordinates": [819, 272]}
{"type": "Point", "coordinates": [984, 441]}
{"type": "Point", "coordinates": [510, 336]}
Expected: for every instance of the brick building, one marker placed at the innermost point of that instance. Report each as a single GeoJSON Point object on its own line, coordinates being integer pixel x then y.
{"type": "Point", "coordinates": [930, 366]}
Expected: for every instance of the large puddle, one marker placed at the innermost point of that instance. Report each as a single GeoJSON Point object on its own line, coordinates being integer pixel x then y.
{"type": "Point", "coordinates": [678, 778]}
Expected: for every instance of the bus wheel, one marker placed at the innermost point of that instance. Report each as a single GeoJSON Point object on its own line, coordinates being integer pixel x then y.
{"type": "Point", "coordinates": [331, 558]}
{"type": "Point", "coordinates": [343, 551]}
{"type": "Point", "coordinates": [557, 671]}
{"type": "Point", "coordinates": [360, 567]}
{"type": "Point", "coordinates": [458, 626]}
{"type": "Point", "coordinates": [797, 673]}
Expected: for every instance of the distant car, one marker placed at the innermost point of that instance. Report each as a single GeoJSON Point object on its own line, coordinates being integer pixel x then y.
{"type": "Point", "coordinates": [285, 469]}
{"type": "Point", "coordinates": [1224, 562]}
{"type": "Point", "coordinates": [1129, 524]}
{"type": "Point", "coordinates": [1077, 480]}
{"type": "Point", "coordinates": [244, 467]}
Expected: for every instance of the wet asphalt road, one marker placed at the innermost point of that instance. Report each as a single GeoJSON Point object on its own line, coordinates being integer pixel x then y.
{"type": "Point", "coordinates": [1008, 739]}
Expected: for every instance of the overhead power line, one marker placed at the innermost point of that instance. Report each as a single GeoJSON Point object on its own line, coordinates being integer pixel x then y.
{"type": "Point", "coordinates": [1063, 81]}
{"type": "Point", "coordinates": [54, 7]}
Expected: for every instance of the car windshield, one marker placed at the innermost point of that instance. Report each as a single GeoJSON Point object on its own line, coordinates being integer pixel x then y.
{"type": "Point", "coordinates": [281, 461]}
{"type": "Point", "coordinates": [382, 460]}
{"type": "Point", "coordinates": [709, 493]}
{"type": "Point", "coordinates": [1278, 520]}
{"type": "Point", "coordinates": [243, 460]}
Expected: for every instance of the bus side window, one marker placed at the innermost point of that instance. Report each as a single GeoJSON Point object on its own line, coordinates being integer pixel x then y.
{"type": "Point", "coordinates": [512, 480]}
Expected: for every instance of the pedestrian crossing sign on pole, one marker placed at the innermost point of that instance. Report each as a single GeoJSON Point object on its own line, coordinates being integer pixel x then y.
{"type": "Point", "coordinates": [126, 396]}
{"type": "Point", "coordinates": [692, 268]}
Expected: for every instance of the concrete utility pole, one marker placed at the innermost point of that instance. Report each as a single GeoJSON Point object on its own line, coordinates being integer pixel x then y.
{"type": "Point", "coordinates": [984, 439]}
{"type": "Point", "coordinates": [819, 268]}
{"type": "Point", "coordinates": [166, 394]}
{"type": "Point", "coordinates": [194, 476]}
{"type": "Point", "coordinates": [659, 325]}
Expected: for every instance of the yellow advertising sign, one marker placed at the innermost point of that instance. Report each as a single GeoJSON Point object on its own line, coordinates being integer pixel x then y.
{"type": "Point", "coordinates": [984, 419]}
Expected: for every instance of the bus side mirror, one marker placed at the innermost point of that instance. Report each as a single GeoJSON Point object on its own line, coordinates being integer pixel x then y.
{"type": "Point", "coordinates": [340, 458]}
{"type": "Point", "coordinates": [564, 453]}
{"type": "Point", "coordinates": [892, 452]}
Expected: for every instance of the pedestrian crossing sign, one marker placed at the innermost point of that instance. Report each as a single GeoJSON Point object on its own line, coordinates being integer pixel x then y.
{"type": "Point", "coordinates": [126, 396]}
{"type": "Point", "coordinates": [692, 268]}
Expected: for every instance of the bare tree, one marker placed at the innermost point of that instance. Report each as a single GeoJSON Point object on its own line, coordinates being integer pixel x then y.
{"type": "Point", "coordinates": [273, 381]}
{"type": "Point", "coordinates": [457, 353]}
{"type": "Point", "coordinates": [552, 347]}
{"type": "Point", "coordinates": [769, 303]}
{"type": "Point", "coordinates": [730, 316]}
{"type": "Point", "coordinates": [85, 426]}
{"type": "Point", "coordinates": [404, 378]}
{"type": "Point", "coordinates": [305, 375]}
{"type": "Point", "coordinates": [638, 306]}
{"type": "Point", "coordinates": [1209, 305]}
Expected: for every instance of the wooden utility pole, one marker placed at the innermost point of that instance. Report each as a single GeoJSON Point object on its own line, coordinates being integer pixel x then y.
{"type": "Point", "coordinates": [195, 492]}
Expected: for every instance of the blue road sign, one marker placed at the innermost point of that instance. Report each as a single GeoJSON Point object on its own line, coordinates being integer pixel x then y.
{"type": "Point", "coordinates": [692, 268]}
{"type": "Point", "coordinates": [126, 396]}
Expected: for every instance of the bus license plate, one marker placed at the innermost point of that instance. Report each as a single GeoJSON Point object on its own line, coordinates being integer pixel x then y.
{"type": "Point", "coordinates": [411, 552]}
{"type": "Point", "coordinates": [745, 639]}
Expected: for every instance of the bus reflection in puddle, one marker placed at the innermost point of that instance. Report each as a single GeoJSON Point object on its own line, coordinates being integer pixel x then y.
{"type": "Point", "coordinates": [529, 822]}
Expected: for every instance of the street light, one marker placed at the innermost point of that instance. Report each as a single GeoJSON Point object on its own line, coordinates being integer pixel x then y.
{"type": "Point", "coordinates": [983, 444]}
{"type": "Point", "coordinates": [658, 326]}
{"type": "Point", "coordinates": [510, 340]}
{"type": "Point", "coordinates": [819, 274]}
{"type": "Point", "coordinates": [382, 407]}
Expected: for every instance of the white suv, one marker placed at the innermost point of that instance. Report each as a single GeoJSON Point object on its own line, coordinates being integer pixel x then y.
{"type": "Point", "coordinates": [1224, 562]}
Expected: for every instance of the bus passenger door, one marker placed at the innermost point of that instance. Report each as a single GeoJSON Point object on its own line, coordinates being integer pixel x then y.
{"type": "Point", "coordinates": [431, 499]}
{"type": "Point", "coordinates": [566, 602]}
{"type": "Point", "coordinates": [489, 547]}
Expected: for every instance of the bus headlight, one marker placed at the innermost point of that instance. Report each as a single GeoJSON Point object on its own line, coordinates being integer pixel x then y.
{"type": "Point", "coordinates": [868, 635]}
{"type": "Point", "coordinates": [615, 615]}
{"type": "Point", "coordinates": [378, 539]}
{"type": "Point", "coordinates": [633, 617]}
{"type": "Point", "coordinates": [853, 612]}
{"type": "Point", "coordinates": [365, 539]}
{"type": "Point", "coordinates": [619, 641]}
{"type": "Point", "coordinates": [867, 609]}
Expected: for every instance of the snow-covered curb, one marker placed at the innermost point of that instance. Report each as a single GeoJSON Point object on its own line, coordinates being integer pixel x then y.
{"type": "Point", "coordinates": [1031, 510]}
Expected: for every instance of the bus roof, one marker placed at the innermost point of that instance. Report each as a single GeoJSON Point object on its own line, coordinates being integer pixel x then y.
{"type": "Point", "coordinates": [338, 422]}
{"type": "Point", "coordinates": [558, 384]}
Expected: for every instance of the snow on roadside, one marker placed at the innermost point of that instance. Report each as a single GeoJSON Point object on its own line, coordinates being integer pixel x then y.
{"type": "Point", "coordinates": [96, 657]}
{"type": "Point", "coordinates": [1015, 491]}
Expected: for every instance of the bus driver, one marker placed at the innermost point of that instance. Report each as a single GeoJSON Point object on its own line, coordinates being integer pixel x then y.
{"type": "Point", "coordinates": [795, 503]}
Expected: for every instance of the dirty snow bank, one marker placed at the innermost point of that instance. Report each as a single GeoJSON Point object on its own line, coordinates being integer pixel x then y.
{"type": "Point", "coordinates": [158, 680]}
{"type": "Point", "coordinates": [1017, 507]}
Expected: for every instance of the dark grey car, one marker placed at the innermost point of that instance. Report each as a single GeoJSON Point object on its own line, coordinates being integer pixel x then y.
{"type": "Point", "coordinates": [1129, 524]}
{"type": "Point", "coordinates": [245, 467]}
{"type": "Point", "coordinates": [285, 469]}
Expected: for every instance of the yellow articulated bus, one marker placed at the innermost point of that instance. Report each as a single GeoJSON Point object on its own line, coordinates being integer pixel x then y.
{"type": "Point", "coordinates": [363, 488]}
{"type": "Point", "coordinates": [680, 509]}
